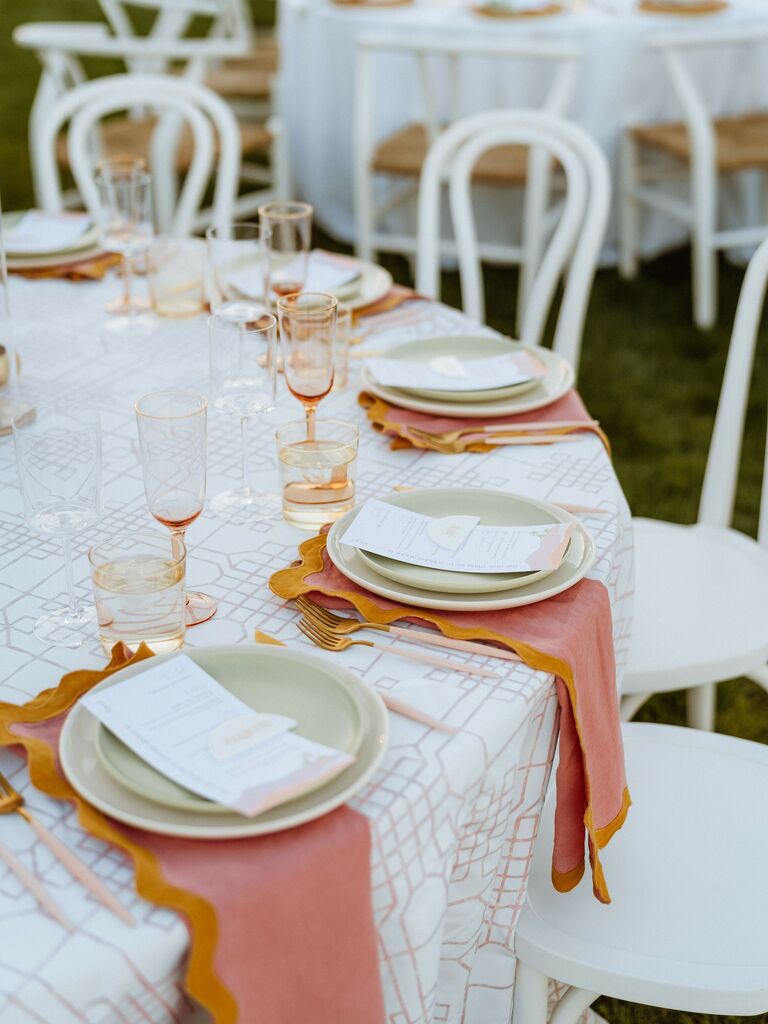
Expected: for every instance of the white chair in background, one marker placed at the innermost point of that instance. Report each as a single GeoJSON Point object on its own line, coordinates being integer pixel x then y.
{"type": "Point", "coordinates": [573, 248]}
{"type": "Point", "coordinates": [393, 164]}
{"type": "Point", "coordinates": [698, 150]}
{"type": "Point", "coordinates": [61, 47]}
{"type": "Point", "coordinates": [701, 592]}
{"type": "Point", "coordinates": [686, 873]}
{"type": "Point", "coordinates": [211, 124]}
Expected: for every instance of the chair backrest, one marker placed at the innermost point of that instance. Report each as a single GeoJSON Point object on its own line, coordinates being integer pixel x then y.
{"type": "Point", "coordinates": [722, 473]}
{"type": "Point", "coordinates": [175, 98]}
{"type": "Point", "coordinates": [575, 245]}
{"type": "Point", "coordinates": [679, 51]}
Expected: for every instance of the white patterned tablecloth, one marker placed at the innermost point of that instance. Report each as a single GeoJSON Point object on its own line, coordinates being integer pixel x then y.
{"type": "Point", "coordinates": [453, 818]}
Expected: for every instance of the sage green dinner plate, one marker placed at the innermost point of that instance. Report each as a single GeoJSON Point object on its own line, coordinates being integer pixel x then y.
{"type": "Point", "coordinates": [495, 509]}
{"type": "Point", "coordinates": [577, 562]}
{"type": "Point", "coordinates": [558, 381]}
{"type": "Point", "coordinates": [466, 348]}
{"type": "Point", "coordinates": [321, 700]}
{"type": "Point", "coordinates": [42, 257]}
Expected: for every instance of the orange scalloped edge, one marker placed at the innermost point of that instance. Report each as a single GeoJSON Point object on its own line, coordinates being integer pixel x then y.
{"type": "Point", "coordinates": [377, 411]}
{"type": "Point", "coordinates": [201, 980]}
{"type": "Point", "coordinates": [289, 583]}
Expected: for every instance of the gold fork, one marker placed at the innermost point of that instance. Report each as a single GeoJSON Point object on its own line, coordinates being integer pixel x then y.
{"type": "Point", "coordinates": [331, 641]}
{"type": "Point", "coordinates": [343, 626]}
{"type": "Point", "coordinates": [462, 443]}
{"type": "Point", "coordinates": [504, 428]}
{"type": "Point", "coordinates": [12, 801]}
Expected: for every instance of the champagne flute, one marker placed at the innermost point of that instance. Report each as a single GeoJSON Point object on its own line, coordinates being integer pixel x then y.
{"type": "Point", "coordinates": [243, 369]}
{"type": "Point", "coordinates": [125, 218]}
{"type": "Point", "coordinates": [172, 438]}
{"type": "Point", "coordinates": [239, 270]}
{"type": "Point", "coordinates": [307, 339]}
{"type": "Point", "coordinates": [290, 225]}
{"type": "Point", "coordinates": [58, 453]}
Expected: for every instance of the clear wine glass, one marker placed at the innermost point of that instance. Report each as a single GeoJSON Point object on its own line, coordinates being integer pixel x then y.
{"type": "Point", "coordinates": [58, 452]}
{"type": "Point", "coordinates": [243, 369]}
{"type": "Point", "coordinates": [239, 271]}
{"type": "Point", "coordinates": [307, 339]}
{"type": "Point", "coordinates": [10, 402]}
{"type": "Point", "coordinates": [125, 221]}
{"type": "Point", "coordinates": [172, 439]}
{"type": "Point", "coordinates": [290, 225]}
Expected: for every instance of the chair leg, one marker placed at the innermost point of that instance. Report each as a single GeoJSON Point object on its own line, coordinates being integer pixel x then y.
{"type": "Point", "coordinates": [629, 208]}
{"type": "Point", "coordinates": [531, 990]}
{"type": "Point", "coordinates": [572, 1005]}
{"type": "Point", "coordinates": [704, 271]}
{"type": "Point", "coordinates": [700, 703]}
{"type": "Point", "coordinates": [631, 704]}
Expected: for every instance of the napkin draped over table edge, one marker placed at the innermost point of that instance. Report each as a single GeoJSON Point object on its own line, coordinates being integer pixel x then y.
{"type": "Point", "coordinates": [394, 421]}
{"type": "Point", "coordinates": [574, 784]}
{"type": "Point", "coordinates": [202, 980]}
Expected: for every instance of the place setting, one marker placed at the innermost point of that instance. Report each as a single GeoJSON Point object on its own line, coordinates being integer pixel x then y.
{"type": "Point", "coordinates": [471, 393]}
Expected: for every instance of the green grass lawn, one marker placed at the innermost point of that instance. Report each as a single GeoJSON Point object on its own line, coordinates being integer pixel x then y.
{"type": "Point", "coordinates": [647, 374]}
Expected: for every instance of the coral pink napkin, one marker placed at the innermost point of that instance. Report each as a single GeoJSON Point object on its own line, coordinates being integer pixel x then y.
{"type": "Point", "coordinates": [569, 635]}
{"type": "Point", "coordinates": [281, 926]}
{"type": "Point", "coordinates": [395, 422]}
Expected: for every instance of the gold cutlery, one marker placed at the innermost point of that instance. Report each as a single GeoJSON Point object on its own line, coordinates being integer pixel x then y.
{"type": "Point", "coordinates": [394, 703]}
{"type": "Point", "coordinates": [331, 641]}
{"type": "Point", "coordinates": [12, 801]}
{"type": "Point", "coordinates": [342, 625]}
{"type": "Point", "coordinates": [533, 426]}
{"type": "Point", "coordinates": [457, 447]}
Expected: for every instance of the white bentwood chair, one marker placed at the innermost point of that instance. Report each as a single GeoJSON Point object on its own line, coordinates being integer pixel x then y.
{"type": "Point", "coordinates": [574, 247]}
{"type": "Point", "coordinates": [386, 170]}
{"type": "Point", "coordinates": [61, 48]}
{"type": "Point", "coordinates": [699, 150]}
{"type": "Point", "coordinates": [686, 873]}
{"type": "Point", "coordinates": [213, 132]}
{"type": "Point", "coordinates": [701, 591]}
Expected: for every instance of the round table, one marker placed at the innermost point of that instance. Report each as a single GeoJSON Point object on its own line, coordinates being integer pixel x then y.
{"type": "Point", "coordinates": [452, 818]}
{"type": "Point", "coordinates": [619, 82]}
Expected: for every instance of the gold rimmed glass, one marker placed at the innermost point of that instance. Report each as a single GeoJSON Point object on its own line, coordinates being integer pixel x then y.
{"type": "Point", "coordinates": [243, 369]}
{"type": "Point", "coordinates": [239, 257]}
{"type": "Point", "coordinates": [307, 340]}
{"type": "Point", "coordinates": [172, 439]}
{"type": "Point", "coordinates": [290, 226]}
{"type": "Point", "coordinates": [124, 216]}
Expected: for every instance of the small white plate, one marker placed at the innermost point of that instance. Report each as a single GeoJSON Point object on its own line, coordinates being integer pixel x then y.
{"type": "Point", "coordinates": [557, 382]}
{"type": "Point", "coordinates": [85, 771]}
{"type": "Point", "coordinates": [373, 284]}
{"type": "Point", "coordinates": [574, 567]}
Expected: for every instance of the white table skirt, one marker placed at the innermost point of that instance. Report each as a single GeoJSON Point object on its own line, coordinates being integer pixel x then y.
{"type": "Point", "coordinates": [453, 818]}
{"type": "Point", "coordinates": [619, 83]}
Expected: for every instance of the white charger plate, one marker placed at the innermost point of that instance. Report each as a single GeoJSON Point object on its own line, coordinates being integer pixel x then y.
{"type": "Point", "coordinates": [87, 242]}
{"type": "Point", "coordinates": [372, 284]}
{"type": "Point", "coordinates": [558, 381]}
{"type": "Point", "coordinates": [574, 567]}
{"type": "Point", "coordinates": [85, 771]}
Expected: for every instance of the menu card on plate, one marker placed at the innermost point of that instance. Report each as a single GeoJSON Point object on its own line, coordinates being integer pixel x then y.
{"type": "Point", "coordinates": [448, 373]}
{"type": "Point", "coordinates": [39, 232]}
{"type": "Point", "coordinates": [326, 272]}
{"type": "Point", "coordinates": [456, 543]}
{"type": "Point", "coordinates": [181, 721]}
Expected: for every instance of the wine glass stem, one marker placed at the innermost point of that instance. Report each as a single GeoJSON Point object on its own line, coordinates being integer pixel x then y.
{"type": "Point", "coordinates": [311, 409]}
{"type": "Point", "coordinates": [244, 438]}
{"type": "Point", "coordinates": [128, 284]}
{"type": "Point", "coordinates": [70, 576]}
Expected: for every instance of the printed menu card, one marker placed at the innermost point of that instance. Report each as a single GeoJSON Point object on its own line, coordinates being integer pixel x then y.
{"type": "Point", "coordinates": [180, 720]}
{"type": "Point", "coordinates": [457, 543]}
{"type": "Point", "coordinates": [46, 232]}
{"type": "Point", "coordinates": [449, 373]}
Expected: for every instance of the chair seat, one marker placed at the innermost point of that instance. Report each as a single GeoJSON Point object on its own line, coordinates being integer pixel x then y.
{"type": "Point", "coordinates": [403, 154]}
{"type": "Point", "coordinates": [249, 77]}
{"type": "Point", "coordinates": [701, 600]}
{"type": "Point", "coordinates": [742, 142]}
{"type": "Point", "coordinates": [123, 136]}
{"type": "Point", "coordinates": [686, 873]}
